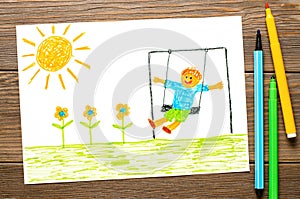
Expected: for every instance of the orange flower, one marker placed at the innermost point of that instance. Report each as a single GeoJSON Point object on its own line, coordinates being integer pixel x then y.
{"type": "Point", "coordinates": [123, 110]}
{"type": "Point", "coordinates": [61, 113]}
{"type": "Point", "coordinates": [90, 112]}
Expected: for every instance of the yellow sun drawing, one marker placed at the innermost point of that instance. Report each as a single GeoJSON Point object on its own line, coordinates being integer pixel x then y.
{"type": "Point", "coordinates": [53, 54]}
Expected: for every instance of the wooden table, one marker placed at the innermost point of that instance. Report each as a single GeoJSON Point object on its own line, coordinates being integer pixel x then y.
{"type": "Point", "coordinates": [232, 185]}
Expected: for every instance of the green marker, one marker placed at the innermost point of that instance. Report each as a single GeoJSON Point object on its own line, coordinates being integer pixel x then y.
{"type": "Point", "coordinates": [273, 140]}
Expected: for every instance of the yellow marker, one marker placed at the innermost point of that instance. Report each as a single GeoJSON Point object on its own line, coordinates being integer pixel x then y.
{"type": "Point", "coordinates": [282, 84]}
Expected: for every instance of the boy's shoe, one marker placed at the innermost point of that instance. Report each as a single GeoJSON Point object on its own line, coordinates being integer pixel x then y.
{"type": "Point", "coordinates": [167, 130]}
{"type": "Point", "coordinates": [152, 124]}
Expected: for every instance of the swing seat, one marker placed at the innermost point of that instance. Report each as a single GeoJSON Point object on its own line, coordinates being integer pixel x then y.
{"type": "Point", "coordinates": [166, 107]}
{"type": "Point", "coordinates": [195, 110]}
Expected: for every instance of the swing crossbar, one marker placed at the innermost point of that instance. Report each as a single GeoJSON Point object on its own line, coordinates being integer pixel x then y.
{"type": "Point", "coordinates": [185, 50]}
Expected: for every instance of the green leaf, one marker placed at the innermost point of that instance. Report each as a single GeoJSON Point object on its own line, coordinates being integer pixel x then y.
{"type": "Point", "coordinates": [117, 126]}
{"type": "Point", "coordinates": [56, 125]}
{"type": "Point", "coordinates": [95, 124]}
{"type": "Point", "coordinates": [85, 124]}
{"type": "Point", "coordinates": [128, 125]}
{"type": "Point", "coordinates": [68, 123]}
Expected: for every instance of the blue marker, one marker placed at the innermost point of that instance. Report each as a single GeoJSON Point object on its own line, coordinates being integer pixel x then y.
{"type": "Point", "coordinates": [259, 115]}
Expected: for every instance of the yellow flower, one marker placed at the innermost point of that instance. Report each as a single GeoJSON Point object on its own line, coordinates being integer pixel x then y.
{"type": "Point", "coordinates": [61, 113]}
{"type": "Point", "coordinates": [123, 110]}
{"type": "Point", "coordinates": [89, 112]}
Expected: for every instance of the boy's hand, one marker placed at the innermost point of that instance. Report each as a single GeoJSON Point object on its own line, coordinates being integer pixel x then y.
{"type": "Point", "coordinates": [218, 85]}
{"type": "Point", "coordinates": [158, 80]}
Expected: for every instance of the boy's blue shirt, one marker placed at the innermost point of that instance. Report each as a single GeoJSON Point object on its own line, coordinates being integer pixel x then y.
{"type": "Point", "coordinates": [184, 97]}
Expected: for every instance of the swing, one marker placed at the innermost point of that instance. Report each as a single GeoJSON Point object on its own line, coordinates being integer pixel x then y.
{"type": "Point", "coordinates": [196, 109]}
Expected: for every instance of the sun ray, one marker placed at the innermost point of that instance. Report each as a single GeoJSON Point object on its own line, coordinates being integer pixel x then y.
{"type": "Point", "coordinates": [72, 74]}
{"type": "Point", "coordinates": [29, 42]}
{"type": "Point", "coordinates": [34, 76]}
{"type": "Point", "coordinates": [83, 48]}
{"type": "Point", "coordinates": [57, 46]}
{"type": "Point", "coordinates": [53, 29]}
{"type": "Point", "coordinates": [66, 30]}
{"type": "Point", "coordinates": [42, 34]}
{"type": "Point", "coordinates": [76, 38]}
{"type": "Point", "coordinates": [47, 81]}
{"type": "Point", "coordinates": [28, 55]}
{"type": "Point", "coordinates": [82, 63]}
{"type": "Point", "coordinates": [31, 65]}
{"type": "Point", "coordinates": [61, 81]}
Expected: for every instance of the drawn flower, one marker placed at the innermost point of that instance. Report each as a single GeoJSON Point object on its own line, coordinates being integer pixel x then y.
{"type": "Point", "coordinates": [123, 110]}
{"type": "Point", "coordinates": [90, 112]}
{"type": "Point", "coordinates": [61, 113]}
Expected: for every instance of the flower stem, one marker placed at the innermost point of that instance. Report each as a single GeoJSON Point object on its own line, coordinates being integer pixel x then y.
{"type": "Point", "coordinates": [123, 133]}
{"type": "Point", "coordinates": [63, 133]}
{"type": "Point", "coordinates": [90, 131]}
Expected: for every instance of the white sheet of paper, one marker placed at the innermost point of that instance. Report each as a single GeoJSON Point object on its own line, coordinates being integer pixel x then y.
{"type": "Point", "coordinates": [102, 64]}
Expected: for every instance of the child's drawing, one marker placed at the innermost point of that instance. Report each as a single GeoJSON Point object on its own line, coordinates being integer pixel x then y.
{"type": "Point", "coordinates": [161, 115]}
{"type": "Point", "coordinates": [123, 110]}
{"type": "Point", "coordinates": [90, 113]}
{"type": "Point", "coordinates": [61, 114]}
{"type": "Point", "coordinates": [53, 54]}
{"type": "Point", "coordinates": [183, 97]}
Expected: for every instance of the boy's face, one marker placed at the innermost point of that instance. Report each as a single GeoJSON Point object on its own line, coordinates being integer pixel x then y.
{"type": "Point", "coordinates": [189, 80]}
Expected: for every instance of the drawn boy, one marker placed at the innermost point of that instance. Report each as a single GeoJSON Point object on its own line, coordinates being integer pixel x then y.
{"type": "Point", "coordinates": [184, 94]}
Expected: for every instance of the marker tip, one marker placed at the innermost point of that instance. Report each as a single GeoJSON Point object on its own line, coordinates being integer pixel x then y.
{"type": "Point", "coordinates": [267, 5]}
{"type": "Point", "coordinates": [259, 192]}
{"type": "Point", "coordinates": [273, 76]}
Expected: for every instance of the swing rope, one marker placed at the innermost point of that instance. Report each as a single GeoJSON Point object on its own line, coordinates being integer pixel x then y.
{"type": "Point", "coordinates": [195, 110]}
{"type": "Point", "coordinates": [166, 107]}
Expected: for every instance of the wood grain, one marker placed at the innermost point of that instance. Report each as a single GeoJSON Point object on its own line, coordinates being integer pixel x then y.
{"type": "Point", "coordinates": [230, 185]}
{"type": "Point", "coordinates": [252, 12]}
{"type": "Point", "coordinates": [233, 185]}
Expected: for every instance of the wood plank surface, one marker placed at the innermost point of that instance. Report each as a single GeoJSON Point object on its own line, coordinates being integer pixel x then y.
{"type": "Point", "coordinates": [229, 185]}
{"type": "Point", "coordinates": [233, 185]}
{"type": "Point", "coordinates": [33, 12]}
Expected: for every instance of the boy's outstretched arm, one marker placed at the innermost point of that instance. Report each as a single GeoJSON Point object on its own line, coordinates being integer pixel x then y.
{"type": "Point", "coordinates": [158, 80]}
{"type": "Point", "coordinates": [218, 85]}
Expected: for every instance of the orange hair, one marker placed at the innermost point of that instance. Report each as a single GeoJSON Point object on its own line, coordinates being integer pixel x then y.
{"type": "Point", "coordinates": [192, 71]}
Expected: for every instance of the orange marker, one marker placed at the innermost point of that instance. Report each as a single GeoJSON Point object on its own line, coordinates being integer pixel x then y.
{"type": "Point", "coordinates": [282, 84]}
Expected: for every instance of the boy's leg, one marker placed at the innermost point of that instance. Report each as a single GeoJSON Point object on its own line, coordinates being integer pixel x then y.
{"type": "Point", "coordinates": [180, 116]}
{"type": "Point", "coordinates": [169, 115]}
{"type": "Point", "coordinates": [171, 127]}
{"type": "Point", "coordinates": [158, 122]}
{"type": "Point", "coordinates": [174, 125]}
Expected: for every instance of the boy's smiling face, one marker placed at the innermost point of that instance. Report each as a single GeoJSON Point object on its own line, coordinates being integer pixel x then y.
{"type": "Point", "coordinates": [189, 80]}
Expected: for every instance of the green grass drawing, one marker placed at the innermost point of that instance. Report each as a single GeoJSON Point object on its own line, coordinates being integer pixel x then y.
{"type": "Point", "coordinates": [116, 160]}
